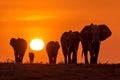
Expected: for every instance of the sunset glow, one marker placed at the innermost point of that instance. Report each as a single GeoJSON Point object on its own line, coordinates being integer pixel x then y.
{"type": "Point", "coordinates": [28, 18]}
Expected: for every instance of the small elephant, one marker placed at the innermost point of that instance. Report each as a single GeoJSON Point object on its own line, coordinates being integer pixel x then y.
{"type": "Point", "coordinates": [31, 57]}
{"type": "Point", "coordinates": [52, 48]}
{"type": "Point", "coordinates": [91, 37]}
{"type": "Point", "coordinates": [70, 42]}
{"type": "Point", "coordinates": [19, 45]}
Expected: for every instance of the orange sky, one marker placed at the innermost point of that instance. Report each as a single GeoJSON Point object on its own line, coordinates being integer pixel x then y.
{"type": "Point", "coordinates": [48, 19]}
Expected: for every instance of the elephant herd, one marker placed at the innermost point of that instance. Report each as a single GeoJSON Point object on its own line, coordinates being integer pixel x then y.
{"type": "Point", "coordinates": [90, 37]}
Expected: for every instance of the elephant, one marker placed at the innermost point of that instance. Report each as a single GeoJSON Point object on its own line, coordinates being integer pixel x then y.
{"type": "Point", "coordinates": [31, 57]}
{"type": "Point", "coordinates": [19, 45]}
{"type": "Point", "coordinates": [52, 48]}
{"type": "Point", "coordinates": [70, 42]}
{"type": "Point", "coordinates": [91, 37]}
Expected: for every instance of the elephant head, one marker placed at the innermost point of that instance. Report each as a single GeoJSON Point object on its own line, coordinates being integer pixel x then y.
{"type": "Point", "coordinates": [52, 48]}
{"type": "Point", "coordinates": [91, 36]}
{"type": "Point", "coordinates": [31, 57]}
{"type": "Point", "coordinates": [70, 42]}
{"type": "Point", "coordinates": [19, 45]}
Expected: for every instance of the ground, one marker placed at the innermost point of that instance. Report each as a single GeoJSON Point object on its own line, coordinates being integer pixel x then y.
{"type": "Point", "coordinates": [59, 72]}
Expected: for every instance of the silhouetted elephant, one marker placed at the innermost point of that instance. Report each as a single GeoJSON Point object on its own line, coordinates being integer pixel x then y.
{"type": "Point", "coordinates": [52, 48]}
{"type": "Point", "coordinates": [91, 36]}
{"type": "Point", "coordinates": [70, 42]}
{"type": "Point", "coordinates": [19, 45]}
{"type": "Point", "coordinates": [31, 57]}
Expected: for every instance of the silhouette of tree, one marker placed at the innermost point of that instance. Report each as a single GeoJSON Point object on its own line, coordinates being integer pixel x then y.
{"type": "Point", "coordinates": [19, 46]}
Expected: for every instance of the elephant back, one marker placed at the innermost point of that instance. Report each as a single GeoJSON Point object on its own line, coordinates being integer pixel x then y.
{"type": "Point", "coordinates": [49, 45]}
{"type": "Point", "coordinates": [64, 36]}
{"type": "Point", "coordinates": [86, 32]}
{"type": "Point", "coordinates": [64, 40]}
{"type": "Point", "coordinates": [22, 43]}
{"type": "Point", "coordinates": [77, 36]}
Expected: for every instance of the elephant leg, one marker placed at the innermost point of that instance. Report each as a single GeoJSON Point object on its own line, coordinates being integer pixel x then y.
{"type": "Point", "coordinates": [20, 59]}
{"type": "Point", "coordinates": [92, 59]}
{"type": "Point", "coordinates": [74, 60]}
{"type": "Point", "coordinates": [92, 55]}
{"type": "Point", "coordinates": [54, 62]}
{"type": "Point", "coordinates": [16, 59]}
{"type": "Point", "coordinates": [50, 56]}
{"type": "Point", "coordinates": [86, 57]}
{"type": "Point", "coordinates": [69, 58]}
{"type": "Point", "coordinates": [97, 48]}
{"type": "Point", "coordinates": [50, 60]}
{"type": "Point", "coordinates": [65, 58]}
{"type": "Point", "coordinates": [96, 57]}
{"type": "Point", "coordinates": [31, 60]}
{"type": "Point", "coordinates": [16, 56]}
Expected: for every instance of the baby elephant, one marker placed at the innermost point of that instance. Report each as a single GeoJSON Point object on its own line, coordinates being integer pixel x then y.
{"type": "Point", "coordinates": [31, 57]}
{"type": "Point", "coordinates": [52, 48]}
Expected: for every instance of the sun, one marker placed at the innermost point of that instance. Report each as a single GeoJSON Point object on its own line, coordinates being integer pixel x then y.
{"type": "Point", "coordinates": [37, 44]}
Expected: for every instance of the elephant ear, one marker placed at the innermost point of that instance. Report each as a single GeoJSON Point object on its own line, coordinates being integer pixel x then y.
{"type": "Point", "coordinates": [105, 32]}
{"type": "Point", "coordinates": [13, 42]}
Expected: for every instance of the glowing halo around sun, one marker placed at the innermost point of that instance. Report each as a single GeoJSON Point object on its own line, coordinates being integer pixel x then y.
{"type": "Point", "coordinates": [36, 44]}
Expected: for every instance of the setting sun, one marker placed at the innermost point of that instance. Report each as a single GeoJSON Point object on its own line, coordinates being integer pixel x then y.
{"type": "Point", "coordinates": [36, 44]}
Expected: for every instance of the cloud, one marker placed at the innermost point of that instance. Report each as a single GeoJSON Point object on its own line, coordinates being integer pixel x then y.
{"type": "Point", "coordinates": [33, 18]}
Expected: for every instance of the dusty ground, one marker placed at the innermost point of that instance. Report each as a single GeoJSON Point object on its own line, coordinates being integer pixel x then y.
{"type": "Point", "coordinates": [59, 72]}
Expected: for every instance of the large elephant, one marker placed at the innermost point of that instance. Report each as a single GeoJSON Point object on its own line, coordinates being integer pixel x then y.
{"type": "Point", "coordinates": [70, 42]}
{"type": "Point", "coordinates": [31, 57]}
{"type": "Point", "coordinates": [52, 48]}
{"type": "Point", "coordinates": [19, 45]}
{"type": "Point", "coordinates": [91, 37]}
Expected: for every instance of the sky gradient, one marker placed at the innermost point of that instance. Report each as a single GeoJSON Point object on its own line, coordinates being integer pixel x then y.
{"type": "Point", "coordinates": [48, 19]}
